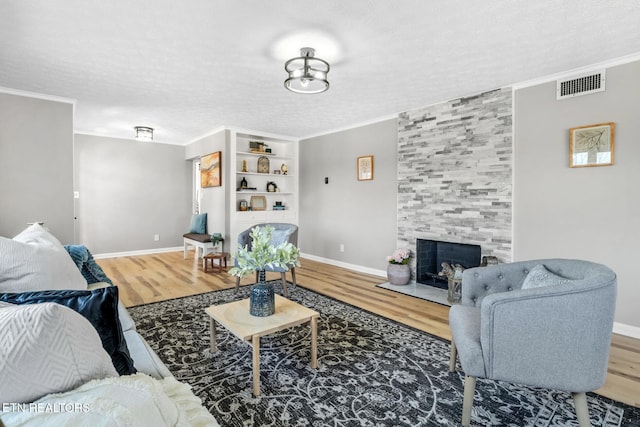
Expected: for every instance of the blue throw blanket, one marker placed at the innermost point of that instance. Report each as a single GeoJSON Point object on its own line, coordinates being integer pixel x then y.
{"type": "Point", "coordinates": [90, 270]}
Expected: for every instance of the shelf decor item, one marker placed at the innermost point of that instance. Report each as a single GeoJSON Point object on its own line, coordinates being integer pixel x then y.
{"type": "Point", "coordinates": [365, 168]}
{"type": "Point", "coordinates": [211, 170]}
{"type": "Point", "coordinates": [272, 187]}
{"type": "Point", "coordinates": [591, 145]}
{"type": "Point", "coordinates": [261, 255]}
{"type": "Point", "coordinates": [398, 269]}
{"type": "Point", "coordinates": [284, 169]}
{"type": "Point", "coordinates": [263, 164]}
{"type": "Point", "coordinates": [256, 146]}
{"type": "Point", "coordinates": [258, 203]}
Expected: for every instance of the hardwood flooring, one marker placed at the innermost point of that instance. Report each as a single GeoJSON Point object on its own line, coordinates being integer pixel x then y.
{"type": "Point", "coordinates": [150, 278]}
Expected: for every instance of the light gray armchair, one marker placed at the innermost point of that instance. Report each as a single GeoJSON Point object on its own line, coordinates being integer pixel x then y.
{"type": "Point", "coordinates": [282, 232]}
{"type": "Point", "coordinates": [554, 333]}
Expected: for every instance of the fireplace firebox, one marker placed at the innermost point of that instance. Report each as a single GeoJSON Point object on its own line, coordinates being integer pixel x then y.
{"type": "Point", "coordinates": [430, 254]}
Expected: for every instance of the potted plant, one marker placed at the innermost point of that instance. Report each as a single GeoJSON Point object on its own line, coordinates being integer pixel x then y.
{"type": "Point", "coordinates": [263, 254]}
{"type": "Point", "coordinates": [398, 269]}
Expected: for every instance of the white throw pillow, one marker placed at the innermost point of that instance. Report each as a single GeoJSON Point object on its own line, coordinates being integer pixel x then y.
{"type": "Point", "coordinates": [47, 348]}
{"type": "Point", "coordinates": [35, 260]}
{"type": "Point", "coordinates": [539, 276]}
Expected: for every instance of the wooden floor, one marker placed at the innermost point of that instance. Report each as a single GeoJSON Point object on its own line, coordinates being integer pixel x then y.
{"type": "Point", "coordinates": [158, 277]}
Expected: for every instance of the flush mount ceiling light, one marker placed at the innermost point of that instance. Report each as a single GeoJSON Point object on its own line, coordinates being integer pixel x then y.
{"type": "Point", "coordinates": [144, 133]}
{"type": "Point", "coordinates": [307, 74]}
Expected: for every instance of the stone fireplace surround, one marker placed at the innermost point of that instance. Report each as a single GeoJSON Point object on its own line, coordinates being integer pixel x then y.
{"type": "Point", "coordinates": [455, 174]}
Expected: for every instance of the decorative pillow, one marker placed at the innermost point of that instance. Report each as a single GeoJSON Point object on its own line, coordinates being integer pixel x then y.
{"type": "Point", "coordinates": [100, 307]}
{"type": "Point", "coordinates": [88, 267]}
{"type": "Point", "coordinates": [539, 276]}
{"type": "Point", "coordinates": [135, 400]}
{"type": "Point", "coordinates": [198, 224]}
{"type": "Point", "coordinates": [47, 348]}
{"type": "Point", "coordinates": [35, 260]}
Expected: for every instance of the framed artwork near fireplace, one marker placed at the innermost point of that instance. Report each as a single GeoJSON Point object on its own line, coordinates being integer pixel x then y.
{"type": "Point", "coordinates": [591, 145]}
{"type": "Point", "coordinates": [365, 168]}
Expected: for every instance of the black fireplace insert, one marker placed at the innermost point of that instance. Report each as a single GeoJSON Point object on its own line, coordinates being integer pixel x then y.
{"type": "Point", "coordinates": [430, 254]}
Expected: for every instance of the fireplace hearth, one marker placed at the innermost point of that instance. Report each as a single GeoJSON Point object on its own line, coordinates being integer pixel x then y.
{"type": "Point", "coordinates": [430, 254]}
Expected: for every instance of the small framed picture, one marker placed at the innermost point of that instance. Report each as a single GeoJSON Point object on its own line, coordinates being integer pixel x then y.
{"type": "Point", "coordinates": [365, 168]}
{"type": "Point", "coordinates": [591, 145]}
{"type": "Point", "coordinates": [258, 203]}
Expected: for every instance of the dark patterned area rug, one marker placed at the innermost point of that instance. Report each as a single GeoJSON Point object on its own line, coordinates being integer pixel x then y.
{"type": "Point", "coordinates": [371, 372]}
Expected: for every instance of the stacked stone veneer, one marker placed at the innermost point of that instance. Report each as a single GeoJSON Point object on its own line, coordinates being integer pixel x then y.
{"type": "Point", "coordinates": [455, 173]}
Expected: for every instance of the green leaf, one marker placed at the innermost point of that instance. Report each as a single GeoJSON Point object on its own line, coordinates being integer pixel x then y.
{"type": "Point", "coordinates": [264, 254]}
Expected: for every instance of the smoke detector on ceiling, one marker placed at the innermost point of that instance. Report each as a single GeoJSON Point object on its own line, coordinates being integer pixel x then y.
{"type": "Point", "coordinates": [583, 84]}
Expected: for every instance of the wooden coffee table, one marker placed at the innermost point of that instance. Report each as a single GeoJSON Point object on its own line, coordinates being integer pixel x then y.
{"type": "Point", "coordinates": [236, 318]}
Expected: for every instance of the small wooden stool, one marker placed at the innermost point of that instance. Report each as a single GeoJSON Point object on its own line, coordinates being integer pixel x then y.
{"type": "Point", "coordinates": [210, 257]}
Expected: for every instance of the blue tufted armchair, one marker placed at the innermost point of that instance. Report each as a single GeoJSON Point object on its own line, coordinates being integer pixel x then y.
{"type": "Point", "coordinates": [282, 233]}
{"type": "Point", "coordinates": [543, 323]}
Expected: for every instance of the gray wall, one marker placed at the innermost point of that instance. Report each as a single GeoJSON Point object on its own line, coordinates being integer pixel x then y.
{"type": "Point", "coordinates": [36, 165]}
{"type": "Point", "coordinates": [589, 213]}
{"type": "Point", "coordinates": [129, 191]}
{"type": "Point", "coordinates": [359, 214]}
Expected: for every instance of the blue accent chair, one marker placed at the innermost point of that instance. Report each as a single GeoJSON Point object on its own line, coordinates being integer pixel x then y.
{"type": "Point", "coordinates": [282, 232]}
{"type": "Point", "coordinates": [543, 327]}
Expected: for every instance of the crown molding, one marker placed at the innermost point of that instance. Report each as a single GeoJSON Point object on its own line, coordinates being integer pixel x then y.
{"type": "Point", "coordinates": [581, 70]}
{"type": "Point", "coordinates": [37, 95]}
{"type": "Point", "coordinates": [211, 132]}
{"type": "Point", "coordinates": [352, 126]}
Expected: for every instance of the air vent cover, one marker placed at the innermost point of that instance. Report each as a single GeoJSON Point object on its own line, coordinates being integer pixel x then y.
{"type": "Point", "coordinates": [580, 85]}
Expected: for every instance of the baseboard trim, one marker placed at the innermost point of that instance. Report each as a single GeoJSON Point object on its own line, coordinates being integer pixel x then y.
{"type": "Point", "coordinates": [618, 328]}
{"type": "Point", "coordinates": [626, 330]}
{"type": "Point", "coordinates": [358, 268]}
{"type": "Point", "coordinates": [140, 252]}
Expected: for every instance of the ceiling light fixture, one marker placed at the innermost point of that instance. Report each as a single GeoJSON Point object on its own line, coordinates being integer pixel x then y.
{"type": "Point", "coordinates": [144, 133]}
{"type": "Point", "coordinates": [307, 74]}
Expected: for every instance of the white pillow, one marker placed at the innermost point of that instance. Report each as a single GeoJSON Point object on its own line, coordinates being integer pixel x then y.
{"type": "Point", "coordinates": [131, 400]}
{"type": "Point", "coordinates": [539, 276]}
{"type": "Point", "coordinates": [35, 260]}
{"type": "Point", "coordinates": [47, 348]}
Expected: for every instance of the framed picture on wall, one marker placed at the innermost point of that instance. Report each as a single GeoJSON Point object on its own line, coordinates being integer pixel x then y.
{"type": "Point", "coordinates": [591, 145]}
{"type": "Point", "coordinates": [365, 168]}
{"type": "Point", "coordinates": [211, 170]}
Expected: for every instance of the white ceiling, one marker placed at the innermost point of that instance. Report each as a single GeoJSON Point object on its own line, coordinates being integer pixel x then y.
{"type": "Point", "coordinates": [190, 66]}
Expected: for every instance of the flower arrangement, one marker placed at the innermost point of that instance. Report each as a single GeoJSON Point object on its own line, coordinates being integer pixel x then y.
{"type": "Point", "coordinates": [400, 256]}
{"type": "Point", "coordinates": [264, 254]}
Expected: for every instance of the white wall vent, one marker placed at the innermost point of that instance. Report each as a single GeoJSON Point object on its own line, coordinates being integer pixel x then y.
{"type": "Point", "coordinates": [580, 85]}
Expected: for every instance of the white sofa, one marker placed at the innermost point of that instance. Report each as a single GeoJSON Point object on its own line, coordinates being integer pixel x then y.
{"type": "Point", "coordinates": [57, 369]}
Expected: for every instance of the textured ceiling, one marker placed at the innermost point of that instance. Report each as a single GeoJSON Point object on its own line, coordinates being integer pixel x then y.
{"type": "Point", "coordinates": [187, 67]}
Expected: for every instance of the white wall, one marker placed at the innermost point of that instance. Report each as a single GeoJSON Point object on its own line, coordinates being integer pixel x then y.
{"type": "Point", "coordinates": [213, 199]}
{"type": "Point", "coordinates": [588, 213]}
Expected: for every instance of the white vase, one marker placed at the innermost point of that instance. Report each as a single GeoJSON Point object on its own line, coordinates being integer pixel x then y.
{"type": "Point", "coordinates": [399, 274]}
